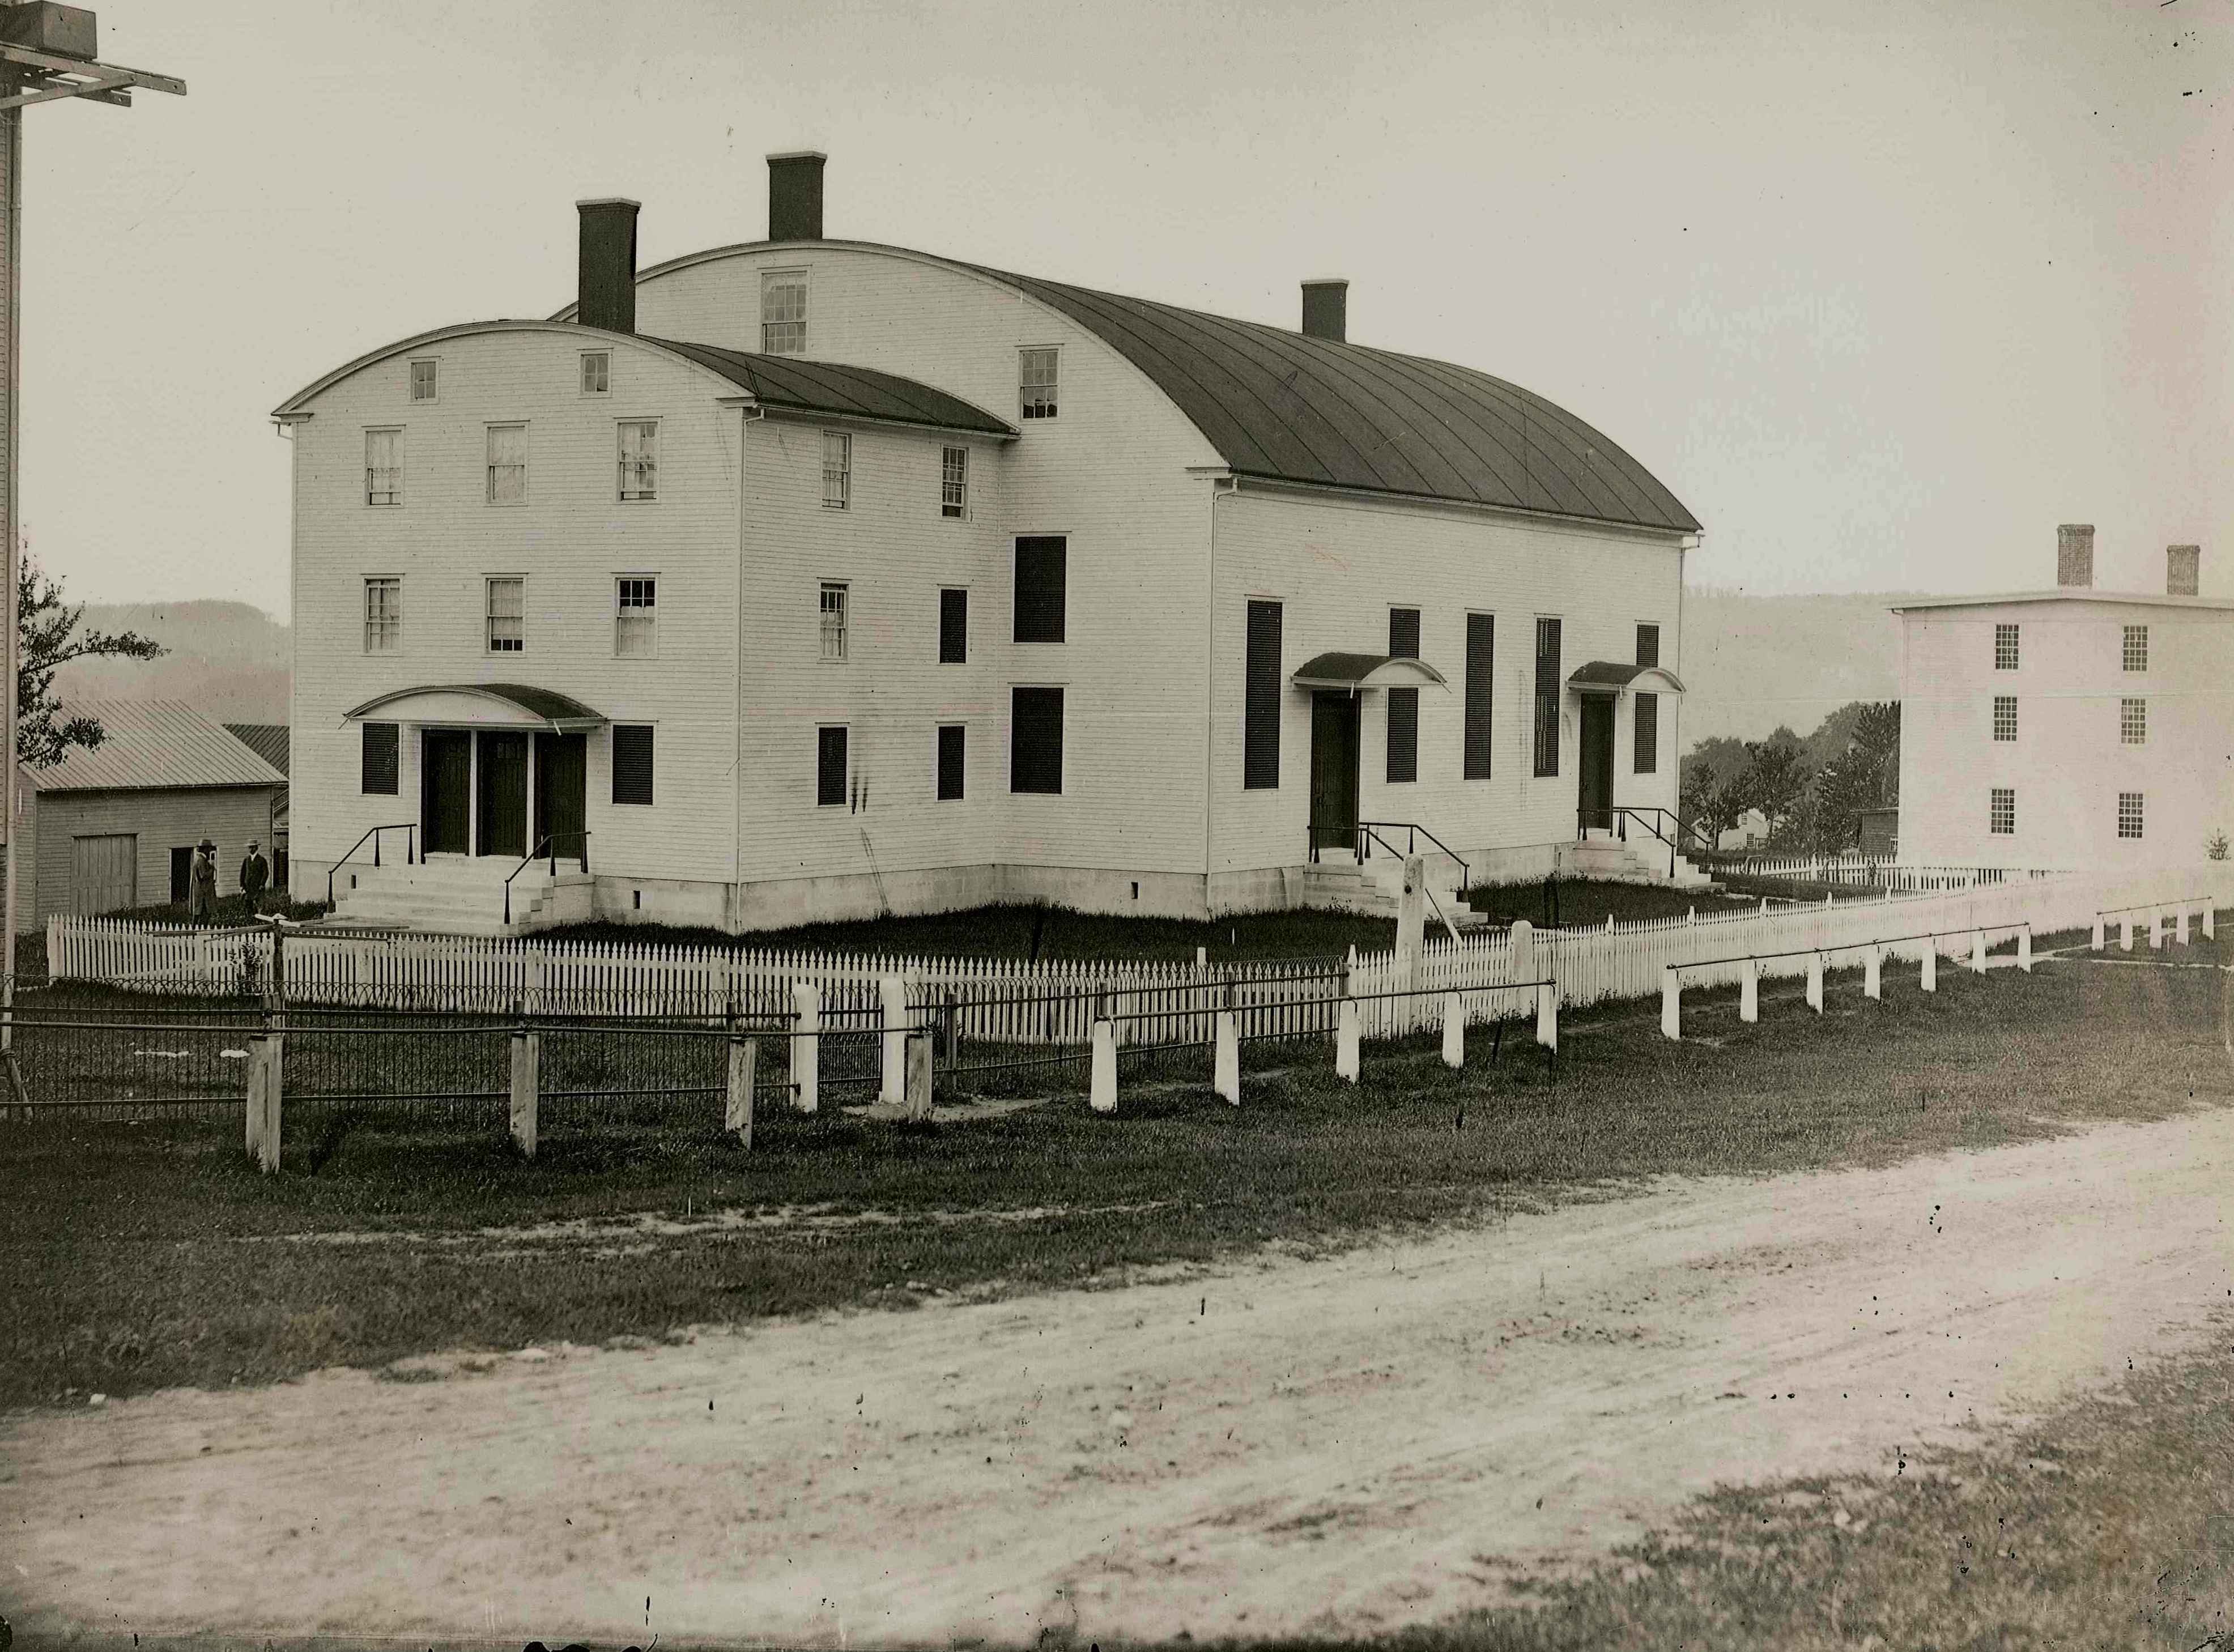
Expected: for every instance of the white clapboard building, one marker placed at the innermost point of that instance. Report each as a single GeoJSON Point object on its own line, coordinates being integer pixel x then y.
{"type": "Point", "coordinates": [808, 579]}
{"type": "Point", "coordinates": [2072, 728]}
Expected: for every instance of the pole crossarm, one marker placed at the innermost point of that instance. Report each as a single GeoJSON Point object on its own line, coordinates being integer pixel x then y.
{"type": "Point", "coordinates": [69, 77]}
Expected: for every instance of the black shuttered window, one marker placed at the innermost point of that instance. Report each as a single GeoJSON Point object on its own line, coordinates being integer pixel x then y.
{"type": "Point", "coordinates": [1041, 576]}
{"type": "Point", "coordinates": [1035, 741]}
{"type": "Point", "coordinates": [1481, 667]}
{"type": "Point", "coordinates": [631, 762]}
{"type": "Point", "coordinates": [380, 762]}
{"type": "Point", "coordinates": [1260, 742]}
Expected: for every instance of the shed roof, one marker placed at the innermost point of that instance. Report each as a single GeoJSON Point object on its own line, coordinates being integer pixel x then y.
{"type": "Point", "coordinates": [788, 382]}
{"type": "Point", "coordinates": [154, 745]}
{"type": "Point", "coordinates": [267, 740]}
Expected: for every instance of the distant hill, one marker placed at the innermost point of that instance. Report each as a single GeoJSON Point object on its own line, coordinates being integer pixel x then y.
{"type": "Point", "coordinates": [1752, 662]}
{"type": "Point", "coordinates": [228, 659]}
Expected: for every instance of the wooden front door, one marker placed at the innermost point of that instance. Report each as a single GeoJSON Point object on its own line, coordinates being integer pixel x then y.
{"type": "Point", "coordinates": [561, 792]}
{"type": "Point", "coordinates": [446, 779]}
{"type": "Point", "coordinates": [1334, 773]}
{"type": "Point", "coordinates": [104, 873]}
{"type": "Point", "coordinates": [500, 793]}
{"type": "Point", "coordinates": [1597, 787]}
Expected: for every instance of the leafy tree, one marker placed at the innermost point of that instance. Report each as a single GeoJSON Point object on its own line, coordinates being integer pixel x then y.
{"type": "Point", "coordinates": [1776, 781]}
{"type": "Point", "coordinates": [49, 638]}
{"type": "Point", "coordinates": [1713, 797]}
{"type": "Point", "coordinates": [1864, 774]}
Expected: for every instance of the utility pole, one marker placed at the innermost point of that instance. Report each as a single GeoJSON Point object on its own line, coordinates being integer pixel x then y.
{"type": "Point", "coordinates": [47, 53]}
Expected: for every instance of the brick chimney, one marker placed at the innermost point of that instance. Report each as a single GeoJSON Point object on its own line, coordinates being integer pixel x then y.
{"type": "Point", "coordinates": [2183, 570]}
{"type": "Point", "coordinates": [605, 289]}
{"type": "Point", "coordinates": [2075, 554]}
{"type": "Point", "coordinates": [795, 196]}
{"type": "Point", "coordinates": [1326, 309]}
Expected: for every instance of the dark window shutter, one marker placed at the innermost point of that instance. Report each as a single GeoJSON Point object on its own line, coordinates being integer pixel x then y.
{"type": "Point", "coordinates": [1403, 734]}
{"type": "Point", "coordinates": [632, 762]}
{"type": "Point", "coordinates": [1404, 633]}
{"type": "Point", "coordinates": [1647, 734]}
{"type": "Point", "coordinates": [953, 627]}
{"type": "Point", "coordinates": [1547, 697]}
{"type": "Point", "coordinates": [1035, 741]}
{"type": "Point", "coordinates": [1480, 668]}
{"type": "Point", "coordinates": [380, 762]}
{"type": "Point", "coordinates": [1648, 645]}
{"type": "Point", "coordinates": [1260, 735]}
{"type": "Point", "coordinates": [1040, 579]}
{"type": "Point", "coordinates": [829, 767]}
{"type": "Point", "coordinates": [949, 761]}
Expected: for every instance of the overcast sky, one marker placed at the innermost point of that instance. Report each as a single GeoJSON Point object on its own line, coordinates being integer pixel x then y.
{"type": "Point", "coordinates": [1883, 292]}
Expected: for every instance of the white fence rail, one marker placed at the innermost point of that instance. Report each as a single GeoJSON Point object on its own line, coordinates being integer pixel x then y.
{"type": "Point", "coordinates": [1871, 872]}
{"type": "Point", "coordinates": [1012, 1001]}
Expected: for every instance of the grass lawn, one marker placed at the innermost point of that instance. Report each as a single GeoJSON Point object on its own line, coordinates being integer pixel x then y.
{"type": "Point", "coordinates": [2108, 1522]}
{"type": "Point", "coordinates": [141, 1256]}
{"type": "Point", "coordinates": [1586, 903]}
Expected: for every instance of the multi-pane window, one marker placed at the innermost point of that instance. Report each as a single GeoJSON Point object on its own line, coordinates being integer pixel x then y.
{"type": "Point", "coordinates": [1480, 668]}
{"type": "Point", "coordinates": [597, 372]}
{"type": "Point", "coordinates": [1260, 695]}
{"type": "Point", "coordinates": [507, 464]}
{"type": "Point", "coordinates": [829, 767]}
{"type": "Point", "coordinates": [1648, 644]}
{"type": "Point", "coordinates": [954, 626]}
{"type": "Point", "coordinates": [639, 458]}
{"type": "Point", "coordinates": [383, 616]}
{"type": "Point", "coordinates": [2005, 648]}
{"type": "Point", "coordinates": [377, 772]}
{"type": "Point", "coordinates": [1042, 563]}
{"type": "Point", "coordinates": [2002, 810]}
{"type": "Point", "coordinates": [954, 482]}
{"type": "Point", "coordinates": [950, 739]}
{"type": "Point", "coordinates": [834, 620]}
{"type": "Point", "coordinates": [2134, 722]}
{"type": "Point", "coordinates": [1646, 758]}
{"type": "Point", "coordinates": [1403, 704]}
{"type": "Point", "coordinates": [837, 469]}
{"type": "Point", "coordinates": [783, 312]}
{"type": "Point", "coordinates": [635, 615]}
{"type": "Point", "coordinates": [2129, 814]}
{"type": "Point", "coordinates": [632, 749]}
{"type": "Point", "coordinates": [1035, 740]}
{"type": "Point", "coordinates": [422, 380]}
{"type": "Point", "coordinates": [2136, 647]}
{"type": "Point", "coordinates": [1547, 698]}
{"type": "Point", "coordinates": [1036, 378]}
{"type": "Point", "coordinates": [2005, 716]}
{"type": "Point", "coordinates": [507, 614]}
{"type": "Point", "coordinates": [383, 468]}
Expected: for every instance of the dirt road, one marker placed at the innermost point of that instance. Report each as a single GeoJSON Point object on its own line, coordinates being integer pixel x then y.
{"type": "Point", "coordinates": [1299, 1446]}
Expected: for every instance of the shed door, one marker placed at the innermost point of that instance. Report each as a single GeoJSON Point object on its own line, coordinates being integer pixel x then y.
{"type": "Point", "coordinates": [105, 873]}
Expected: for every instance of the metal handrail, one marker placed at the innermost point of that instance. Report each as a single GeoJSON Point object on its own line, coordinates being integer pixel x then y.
{"type": "Point", "coordinates": [548, 847]}
{"type": "Point", "coordinates": [1413, 833]}
{"type": "Point", "coordinates": [410, 849]}
{"type": "Point", "coordinates": [1649, 816]}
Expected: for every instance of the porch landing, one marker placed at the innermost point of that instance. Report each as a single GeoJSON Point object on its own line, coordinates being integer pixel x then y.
{"type": "Point", "coordinates": [463, 895]}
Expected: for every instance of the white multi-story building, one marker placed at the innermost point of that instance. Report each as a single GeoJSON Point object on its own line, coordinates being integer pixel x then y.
{"type": "Point", "coordinates": [809, 577]}
{"type": "Point", "coordinates": [2072, 728]}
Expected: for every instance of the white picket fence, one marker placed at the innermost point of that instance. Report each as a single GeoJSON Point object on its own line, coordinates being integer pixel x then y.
{"type": "Point", "coordinates": [1869, 873]}
{"type": "Point", "coordinates": [1011, 1001]}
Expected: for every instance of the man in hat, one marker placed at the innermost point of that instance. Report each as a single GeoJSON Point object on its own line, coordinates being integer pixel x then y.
{"type": "Point", "coordinates": [255, 873]}
{"type": "Point", "coordinates": [202, 904]}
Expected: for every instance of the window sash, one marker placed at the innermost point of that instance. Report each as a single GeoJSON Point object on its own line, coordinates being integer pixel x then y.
{"type": "Point", "coordinates": [425, 380]}
{"type": "Point", "coordinates": [2001, 812]}
{"type": "Point", "coordinates": [507, 615]}
{"type": "Point", "coordinates": [597, 372]}
{"type": "Point", "coordinates": [2005, 648]}
{"type": "Point", "coordinates": [639, 458]}
{"type": "Point", "coordinates": [833, 610]}
{"type": "Point", "coordinates": [636, 616]}
{"type": "Point", "coordinates": [1037, 373]}
{"type": "Point", "coordinates": [2136, 647]}
{"type": "Point", "coordinates": [953, 481]}
{"type": "Point", "coordinates": [507, 464]}
{"type": "Point", "coordinates": [2130, 814]}
{"type": "Point", "coordinates": [783, 314]}
{"type": "Point", "coordinates": [837, 469]}
{"type": "Point", "coordinates": [383, 468]}
{"type": "Point", "coordinates": [2134, 722]}
{"type": "Point", "coordinates": [383, 615]}
{"type": "Point", "coordinates": [2005, 717]}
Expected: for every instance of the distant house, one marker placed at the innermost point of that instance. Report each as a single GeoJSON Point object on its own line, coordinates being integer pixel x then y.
{"type": "Point", "coordinates": [1878, 831]}
{"type": "Point", "coordinates": [115, 825]}
{"type": "Point", "coordinates": [269, 741]}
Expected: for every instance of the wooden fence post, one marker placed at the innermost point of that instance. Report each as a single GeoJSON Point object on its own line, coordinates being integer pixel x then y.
{"type": "Point", "coordinates": [1750, 991]}
{"type": "Point", "coordinates": [1873, 974]}
{"type": "Point", "coordinates": [1671, 1004]}
{"type": "Point", "coordinates": [1815, 981]}
{"type": "Point", "coordinates": [805, 1045]}
{"type": "Point", "coordinates": [1346, 1040]}
{"type": "Point", "coordinates": [252, 1102]}
{"type": "Point", "coordinates": [2096, 940]}
{"type": "Point", "coordinates": [527, 1089]}
{"type": "Point", "coordinates": [1102, 1096]}
{"type": "Point", "coordinates": [2124, 931]}
{"type": "Point", "coordinates": [1978, 951]}
{"type": "Point", "coordinates": [1453, 1030]}
{"type": "Point", "coordinates": [919, 1047]}
{"type": "Point", "coordinates": [2156, 928]}
{"type": "Point", "coordinates": [2024, 948]}
{"type": "Point", "coordinates": [1524, 950]}
{"type": "Point", "coordinates": [1930, 981]}
{"type": "Point", "coordinates": [1225, 1062]}
{"type": "Point", "coordinates": [892, 992]}
{"type": "Point", "coordinates": [2211, 918]}
{"type": "Point", "coordinates": [744, 1074]}
{"type": "Point", "coordinates": [2180, 927]}
{"type": "Point", "coordinates": [1547, 1016]}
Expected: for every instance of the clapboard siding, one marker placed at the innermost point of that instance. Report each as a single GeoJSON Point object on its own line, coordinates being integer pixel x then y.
{"type": "Point", "coordinates": [230, 816]}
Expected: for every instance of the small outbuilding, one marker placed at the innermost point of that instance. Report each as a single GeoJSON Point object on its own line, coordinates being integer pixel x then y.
{"type": "Point", "coordinates": [114, 826]}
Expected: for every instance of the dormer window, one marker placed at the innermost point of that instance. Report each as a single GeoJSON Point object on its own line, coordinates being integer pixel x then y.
{"type": "Point", "coordinates": [783, 312]}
